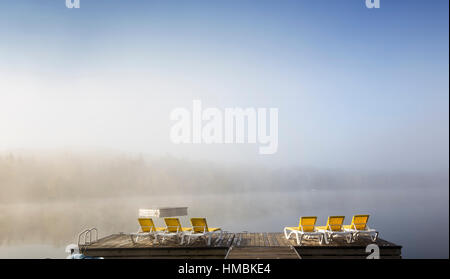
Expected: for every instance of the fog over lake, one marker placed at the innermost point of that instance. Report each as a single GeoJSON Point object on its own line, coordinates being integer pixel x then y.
{"type": "Point", "coordinates": [47, 200]}
{"type": "Point", "coordinates": [88, 117]}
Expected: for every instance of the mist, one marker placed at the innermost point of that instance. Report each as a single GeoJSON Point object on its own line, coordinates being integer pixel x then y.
{"type": "Point", "coordinates": [48, 198]}
{"type": "Point", "coordinates": [60, 176]}
{"type": "Point", "coordinates": [86, 96]}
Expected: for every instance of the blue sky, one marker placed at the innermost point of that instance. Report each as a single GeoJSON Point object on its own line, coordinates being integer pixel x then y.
{"type": "Point", "coordinates": [355, 87]}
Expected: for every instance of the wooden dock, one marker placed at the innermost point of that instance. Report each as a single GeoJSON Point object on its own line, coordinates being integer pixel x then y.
{"type": "Point", "coordinates": [237, 246]}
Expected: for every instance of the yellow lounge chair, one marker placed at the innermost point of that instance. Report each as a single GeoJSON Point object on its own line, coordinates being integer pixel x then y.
{"type": "Point", "coordinates": [200, 229]}
{"type": "Point", "coordinates": [306, 227]}
{"type": "Point", "coordinates": [146, 227]}
{"type": "Point", "coordinates": [174, 228]}
{"type": "Point", "coordinates": [359, 227]}
{"type": "Point", "coordinates": [334, 227]}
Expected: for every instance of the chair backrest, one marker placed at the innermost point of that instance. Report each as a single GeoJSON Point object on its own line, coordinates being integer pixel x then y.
{"type": "Point", "coordinates": [359, 222]}
{"type": "Point", "coordinates": [199, 225]}
{"type": "Point", "coordinates": [334, 223]}
{"type": "Point", "coordinates": [307, 224]}
{"type": "Point", "coordinates": [173, 224]}
{"type": "Point", "coordinates": [147, 224]}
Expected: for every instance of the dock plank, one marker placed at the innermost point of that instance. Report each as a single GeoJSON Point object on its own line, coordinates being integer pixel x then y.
{"type": "Point", "coordinates": [121, 246]}
{"type": "Point", "coordinates": [262, 253]}
{"type": "Point", "coordinates": [274, 239]}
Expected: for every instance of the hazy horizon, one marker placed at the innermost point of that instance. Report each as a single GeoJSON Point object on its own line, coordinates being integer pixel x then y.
{"type": "Point", "coordinates": [356, 88]}
{"type": "Point", "coordinates": [362, 99]}
{"type": "Point", "coordinates": [52, 176]}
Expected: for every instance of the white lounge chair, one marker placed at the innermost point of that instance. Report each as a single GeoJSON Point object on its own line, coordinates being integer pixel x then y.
{"type": "Point", "coordinates": [146, 228]}
{"type": "Point", "coordinates": [359, 227]}
{"type": "Point", "coordinates": [200, 229]}
{"type": "Point", "coordinates": [174, 229]}
{"type": "Point", "coordinates": [333, 228]}
{"type": "Point", "coordinates": [306, 227]}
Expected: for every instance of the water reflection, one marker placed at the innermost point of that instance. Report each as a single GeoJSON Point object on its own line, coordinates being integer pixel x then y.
{"type": "Point", "coordinates": [415, 218]}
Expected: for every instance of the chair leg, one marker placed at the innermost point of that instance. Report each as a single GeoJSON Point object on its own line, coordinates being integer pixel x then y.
{"type": "Point", "coordinates": [349, 238]}
{"type": "Point", "coordinates": [285, 234]}
{"type": "Point", "coordinates": [299, 239]}
{"type": "Point", "coordinates": [182, 239]}
{"type": "Point", "coordinates": [288, 235]}
{"type": "Point", "coordinates": [325, 238]}
{"type": "Point", "coordinates": [374, 237]}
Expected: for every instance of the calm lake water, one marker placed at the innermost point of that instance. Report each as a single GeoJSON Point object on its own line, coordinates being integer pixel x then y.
{"type": "Point", "coordinates": [417, 219]}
